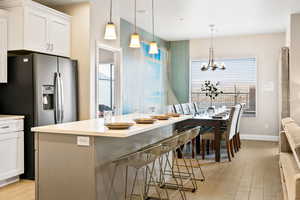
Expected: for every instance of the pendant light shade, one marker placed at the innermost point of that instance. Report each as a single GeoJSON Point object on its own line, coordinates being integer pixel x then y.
{"type": "Point", "coordinates": [135, 37]}
{"type": "Point", "coordinates": [135, 41]}
{"type": "Point", "coordinates": [110, 28]}
{"type": "Point", "coordinates": [110, 31]}
{"type": "Point", "coordinates": [153, 49]}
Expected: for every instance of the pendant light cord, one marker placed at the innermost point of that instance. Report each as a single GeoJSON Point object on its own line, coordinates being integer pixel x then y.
{"type": "Point", "coordinates": [135, 16]}
{"type": "Point", "coordinates": [153, 19]}
{"type": "Point", "coordinates": [110, 12]}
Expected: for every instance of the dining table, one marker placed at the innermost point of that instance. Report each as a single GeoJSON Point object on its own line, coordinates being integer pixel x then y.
{"type": "Point", "coordinates": [215, 120]}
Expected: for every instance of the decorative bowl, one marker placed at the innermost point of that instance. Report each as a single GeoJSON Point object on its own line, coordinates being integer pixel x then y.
{"type": "Point", "coordinates": [119, 125]}
{"type": "Point", "coordinates": [173, 114]}
{"type": "Point", "coordinates": [144, 120]}
{"type": "Point", "coordinates": [160, 117]}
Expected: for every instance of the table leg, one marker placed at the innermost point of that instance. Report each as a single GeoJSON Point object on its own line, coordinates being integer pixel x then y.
{"type": "Point", "coordinates": [193, 147]}
{"type": "Point", "coordinates": [217, 143]}
{"type": "Point", "coordinates": [198, 144]}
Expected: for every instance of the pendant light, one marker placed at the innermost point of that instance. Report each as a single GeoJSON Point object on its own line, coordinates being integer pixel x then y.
{"type": "Point", "coordinates": [135, 37]}
{"type": "Point", "coordinates": [110, 28]}
{"type": "Point", "coordinates": [153, 49]}
{"type": "Point", "coordinates": [212, 65]}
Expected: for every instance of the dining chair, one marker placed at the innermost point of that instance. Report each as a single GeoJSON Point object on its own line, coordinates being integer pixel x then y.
{"type": "Point", "coordinates": [227, 134]}
{"type": "Point", "coordinates": [192, 108]}
{"type": "Point", "coordinates": [197, 107]}
{"type": "Point", "coordinates": [186, 109]}
{"type": "Point", "coordinates": [178, 109]}
{"type": "Point", "coordinates": [237, 136]}
{"type": "Point", "coordinates": [171, 109]}
{"type": "Point", "coordinates": [233, 129]}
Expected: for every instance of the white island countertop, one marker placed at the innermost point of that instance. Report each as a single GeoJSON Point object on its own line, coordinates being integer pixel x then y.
{"type": "Point", "coordinates": [95, 127]}
{"type": "Point", "coordinates": [10, 117]}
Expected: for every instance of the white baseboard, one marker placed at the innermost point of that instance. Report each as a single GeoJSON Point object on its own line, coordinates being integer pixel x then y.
{"type": "Point", "coordinates": [259, 137]}
{"type": "Point", "coordinates": [9, 181]}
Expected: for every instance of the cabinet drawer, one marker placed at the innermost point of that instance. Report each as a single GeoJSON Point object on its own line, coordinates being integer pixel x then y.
{"type": "Point", "coordinates": [11, 126]}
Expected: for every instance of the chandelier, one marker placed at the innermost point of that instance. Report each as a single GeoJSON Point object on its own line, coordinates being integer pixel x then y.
{"type": "Point", "coordinates": [212, 65]}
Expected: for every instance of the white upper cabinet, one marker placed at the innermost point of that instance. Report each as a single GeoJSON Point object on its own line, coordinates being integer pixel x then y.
{"type": "Point", "coordinates": [59, 35]}
{"type": "Point", "coordinates": [3, 46]}
{"type": "Point", "coordinates": [37, 28]}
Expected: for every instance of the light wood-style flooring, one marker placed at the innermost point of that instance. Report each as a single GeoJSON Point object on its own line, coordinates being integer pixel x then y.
{"type": "Point", "coordinates": [252, 175]}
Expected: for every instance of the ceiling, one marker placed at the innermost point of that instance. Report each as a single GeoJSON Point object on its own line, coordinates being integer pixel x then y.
{"type": "Point", "coordinates": [187, 19]}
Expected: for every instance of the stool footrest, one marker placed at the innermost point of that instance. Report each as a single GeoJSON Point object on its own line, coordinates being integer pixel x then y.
{"type": "Point", "coordinates": [172, 186]}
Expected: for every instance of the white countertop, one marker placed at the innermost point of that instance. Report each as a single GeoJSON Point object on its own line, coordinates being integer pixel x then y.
{"type": "Point", "coordinates": [10, 117]}
{"type": "Point", "coordinates": [95, 127]}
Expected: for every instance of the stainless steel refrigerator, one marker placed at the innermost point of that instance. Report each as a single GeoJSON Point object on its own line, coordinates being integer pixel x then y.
{"type": "Point", "coordinates": [43, 88]}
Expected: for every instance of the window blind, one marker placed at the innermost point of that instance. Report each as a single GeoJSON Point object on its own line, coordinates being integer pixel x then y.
{"type": "Point", "coordinates": [240, 71]}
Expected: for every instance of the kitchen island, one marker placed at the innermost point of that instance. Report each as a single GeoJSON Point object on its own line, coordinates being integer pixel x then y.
{"type": "Point", "coordinates": [74, 160]}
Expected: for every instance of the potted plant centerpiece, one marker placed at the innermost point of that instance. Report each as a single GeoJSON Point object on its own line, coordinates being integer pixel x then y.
{"type": "Point", "coordinates": [212, 90]}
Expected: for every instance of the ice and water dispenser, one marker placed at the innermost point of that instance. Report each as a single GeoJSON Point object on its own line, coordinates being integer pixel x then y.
{"type": "Point", "coordinates": [48, 97]}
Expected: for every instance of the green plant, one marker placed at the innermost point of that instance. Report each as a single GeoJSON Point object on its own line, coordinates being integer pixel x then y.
{"type": "Point", "coordinates": [212, 90]}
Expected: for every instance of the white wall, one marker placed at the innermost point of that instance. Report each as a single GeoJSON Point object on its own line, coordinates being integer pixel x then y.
{"type": "Point", "coordinates": [266, 48]}
{"type": "Point", "coordinates": [80, 51]}
{"type": "Point", "coordinates": [98, 19]}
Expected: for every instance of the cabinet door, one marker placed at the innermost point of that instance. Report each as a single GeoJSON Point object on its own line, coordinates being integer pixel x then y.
{"type": "Point", "coordinates": [3, 50]}
{"type": "Point", "coordinates": [11, 154]}
{"type": "Point", "coordinates": [36, 33]}
{"type": "Point", "coordinates": [59, 36]}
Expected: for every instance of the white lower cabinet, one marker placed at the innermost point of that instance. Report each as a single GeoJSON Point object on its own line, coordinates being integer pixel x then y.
{"type": "Point", "coordinates": [11, 151]}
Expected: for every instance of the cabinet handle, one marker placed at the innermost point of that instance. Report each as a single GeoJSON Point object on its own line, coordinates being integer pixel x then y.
{"type": "Point", "coordinates": [4, 127]}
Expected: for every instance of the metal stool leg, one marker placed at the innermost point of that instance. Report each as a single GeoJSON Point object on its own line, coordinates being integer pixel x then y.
{"type": "Point", "coordinates": [190, 174]}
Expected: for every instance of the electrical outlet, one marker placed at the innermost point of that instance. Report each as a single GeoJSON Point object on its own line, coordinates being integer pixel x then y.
{"type": "Point", "coordinates": [267, 126]}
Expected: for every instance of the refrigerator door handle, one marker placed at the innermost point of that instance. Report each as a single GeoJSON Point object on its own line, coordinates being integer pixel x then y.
{"type": "Point", "coordinates": [61, 100]}
{"type": "Point", "coordinates": [56, 98]}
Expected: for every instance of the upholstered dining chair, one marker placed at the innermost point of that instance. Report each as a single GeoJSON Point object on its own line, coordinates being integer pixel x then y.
{"type": "Point", "coordinates": [186, 109]}
{"type": "Point", "coordinates": [192, 108]}
{"type": "Point", "coordinates": [197, 106]}
{"type": "Point", "coordinates": [237, 136]}
{"type": "Point", "coordinates": [171, 109]}
{"type": "Point", "coordinates": [228, 135]}
{"type": "Point", "coordinates": [178, 108]}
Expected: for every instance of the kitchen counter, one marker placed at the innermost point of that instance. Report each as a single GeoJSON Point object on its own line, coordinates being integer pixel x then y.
{"type": "Point", "coordinates": [95, 127]}
{"type": "Point", "coordinates": [10, 117]}
{"type": "Point", "coordinates": [75, 160]}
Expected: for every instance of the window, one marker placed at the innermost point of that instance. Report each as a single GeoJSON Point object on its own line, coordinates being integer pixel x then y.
{"type": "Point", "coordinates": [107, 81]}
{"type": "Point", "coordinates": [238, 83]}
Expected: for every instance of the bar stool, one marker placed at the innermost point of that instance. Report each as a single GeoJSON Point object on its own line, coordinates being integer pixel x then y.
{"type": "Point", "coordinates": [170, 145]}
{"type": "Point", "coordinates": [140, 161]}
{"type": "Point", "coordinates": [190, 136]}
{"type": "Point", "coordinates": [186, 173]}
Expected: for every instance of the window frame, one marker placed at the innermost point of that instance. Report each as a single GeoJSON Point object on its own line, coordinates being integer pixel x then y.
{"type": "Point", "coordinates": [118, 79]}
{"type": "Point", "coordinates": [257, 82]}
